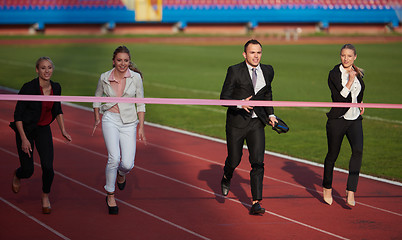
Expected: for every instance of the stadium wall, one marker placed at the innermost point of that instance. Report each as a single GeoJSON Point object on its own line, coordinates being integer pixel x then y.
{"type": "Point", "coordinates": [284, 19]}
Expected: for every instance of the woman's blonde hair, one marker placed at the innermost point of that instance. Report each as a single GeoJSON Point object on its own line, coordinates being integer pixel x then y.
{"type": "Point", "coordinates": [42, 59]}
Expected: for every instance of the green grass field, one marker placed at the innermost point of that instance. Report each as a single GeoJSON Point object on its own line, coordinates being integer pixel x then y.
{"type": "Point", "coordinates": [179, 71]}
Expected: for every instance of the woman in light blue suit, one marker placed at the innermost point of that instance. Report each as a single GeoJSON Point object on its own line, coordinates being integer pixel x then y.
{"type": "Point", "coordinates": [120, 121]}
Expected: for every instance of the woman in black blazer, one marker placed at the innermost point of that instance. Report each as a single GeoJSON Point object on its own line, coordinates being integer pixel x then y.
{"type": "Point", "coordinates": [345, 81]}
{"type": "Point", "coordinates": [31, 124]}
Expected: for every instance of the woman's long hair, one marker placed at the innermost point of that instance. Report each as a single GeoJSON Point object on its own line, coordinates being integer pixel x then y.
{"type": "Point", "coordinates": [124, 49]}
{"type": "Point", "coordinates": [358, 70]}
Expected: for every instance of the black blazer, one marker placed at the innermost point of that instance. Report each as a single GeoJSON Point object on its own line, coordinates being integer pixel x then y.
{"type": "Point", "coordinates": [29, 112]}
{"type": "Point", "coordinates": [238, 85]}
{"type": "Point", "coordinates": [335, 85]}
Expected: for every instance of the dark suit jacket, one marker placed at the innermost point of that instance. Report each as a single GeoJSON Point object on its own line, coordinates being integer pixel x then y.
{"type": "Point", "coordinates": [335, 85]}
{"type": "Point", "coordinates": [237, 86]}
{"type": "Point", "coordinates": [29, 111]}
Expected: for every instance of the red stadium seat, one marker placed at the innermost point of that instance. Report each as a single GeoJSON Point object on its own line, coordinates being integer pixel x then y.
{"type": "Point", "coordinates": [92, 4]}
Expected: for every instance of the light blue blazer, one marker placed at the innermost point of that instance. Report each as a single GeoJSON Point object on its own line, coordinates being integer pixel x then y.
{"type": "Point", "coordinates": [133, 89]}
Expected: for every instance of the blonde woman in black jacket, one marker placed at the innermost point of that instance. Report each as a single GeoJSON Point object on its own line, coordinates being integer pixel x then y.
{"type": "Point", "coordinates": [31, 124]}
{"type": "Point", "coordinates": [345, 81]}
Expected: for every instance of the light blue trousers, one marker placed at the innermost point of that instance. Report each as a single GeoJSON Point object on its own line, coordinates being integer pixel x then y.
{"type": "Point", "coordinates": [120, 140]}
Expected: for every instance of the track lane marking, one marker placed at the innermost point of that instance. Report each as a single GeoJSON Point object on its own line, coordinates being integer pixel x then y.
{"type": "Point", "coordinates": [204, 190]}
{"type": "Point", "coordinates": [193, 186]}
{"type": "Point", "coordinates": [104, 194]}
{"type": "Point", "coordinates": [244, 170]}
{"type": "Point", "coordinates": [174, 180]}
{"type": "Point", "coordinates": [33, 218]}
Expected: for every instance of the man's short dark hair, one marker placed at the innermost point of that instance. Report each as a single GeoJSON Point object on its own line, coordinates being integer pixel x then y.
{"type": "Point", "coordinates": [251, 41]}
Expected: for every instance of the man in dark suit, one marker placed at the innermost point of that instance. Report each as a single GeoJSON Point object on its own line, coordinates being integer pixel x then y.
{"type": "Point", "coordinates": [248, 80]}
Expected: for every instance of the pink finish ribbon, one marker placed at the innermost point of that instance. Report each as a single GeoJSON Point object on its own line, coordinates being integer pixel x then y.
{"type": "Point", "coordinates": [186, 101]}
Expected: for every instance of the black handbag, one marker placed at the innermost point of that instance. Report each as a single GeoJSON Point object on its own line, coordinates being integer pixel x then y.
{"type": "Point", "coordinates": [280, 126]}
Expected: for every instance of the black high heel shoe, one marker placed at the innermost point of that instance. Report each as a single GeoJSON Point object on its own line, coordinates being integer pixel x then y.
{"type": "Point", "coordinates": [112, 210]}
{"type": "Point", "coordinates": [122, 185]}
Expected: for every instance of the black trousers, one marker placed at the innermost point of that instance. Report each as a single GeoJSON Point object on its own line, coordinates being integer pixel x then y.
{"type": "Point", "coordinates": [255, 139]}
{"type": "Point", "coordinates": [42, 138]}
{"type": "Point", "coordinates": [336, 130]}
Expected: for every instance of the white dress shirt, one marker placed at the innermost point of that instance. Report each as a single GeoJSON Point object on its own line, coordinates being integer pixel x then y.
{"type": "Point", "coordinates": [260, 78]}
{"type": "Point", "coordinates": [353, 112]}
{"type": "Point", "coordinates": [260, 81]}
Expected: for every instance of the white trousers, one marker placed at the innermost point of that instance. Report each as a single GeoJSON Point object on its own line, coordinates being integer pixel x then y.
{"type": "Point", "coordinates": [120, 140]}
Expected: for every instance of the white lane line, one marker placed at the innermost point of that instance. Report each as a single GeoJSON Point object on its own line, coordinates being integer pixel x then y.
{"type": "Point", "coordinates": [104, 194]}
{"type": "Point", "coordinates": [34, 219]}
{"type": "Point", "coordinates": [274, 179]}
{"type": "Point", "coordinates": [244, 170]}
{"type": "Point", "coordinates": [177, 181]}
{"type": "Point", "coordinates": [224, 142]}
{"type": "Point", "coordinates": [183, 183]}
{"type": "Point", "coordinates": [243, 203]}
{"type": "Point", "coordinates": [283, 217]}
{"type": "Point", "coordinates": [198, 188]}
{"type": "Point", "coordinates": [271, 153]}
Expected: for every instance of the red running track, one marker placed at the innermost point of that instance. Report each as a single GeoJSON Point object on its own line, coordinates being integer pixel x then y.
{"type": "Point", "coordinates": [174, 193]}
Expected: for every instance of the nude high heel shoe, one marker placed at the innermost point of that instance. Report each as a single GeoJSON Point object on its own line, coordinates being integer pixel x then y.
{"type": "Point", "coordinates": [327, 195]}
{"type": "Point", "coordinates": [47, 209]}
{"type": "Point", "coordinates": [350, 198]}
{"type": "Point", "coordinates": [16, 185]}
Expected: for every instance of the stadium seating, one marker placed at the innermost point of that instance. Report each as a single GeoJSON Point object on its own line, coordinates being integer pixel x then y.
{"type": "Point", "coordinates": [245, 4]}
{"type": "Point", "coordinates": [250, 12]}
{"type": "Point", "coordinates": [281, 3]}
{"type": "Point", "coordinates": [111, 4]}
{"type": "Point", "coordinates": [63, 11]}
{"type": "Point", "coordinates": [60, 4]}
